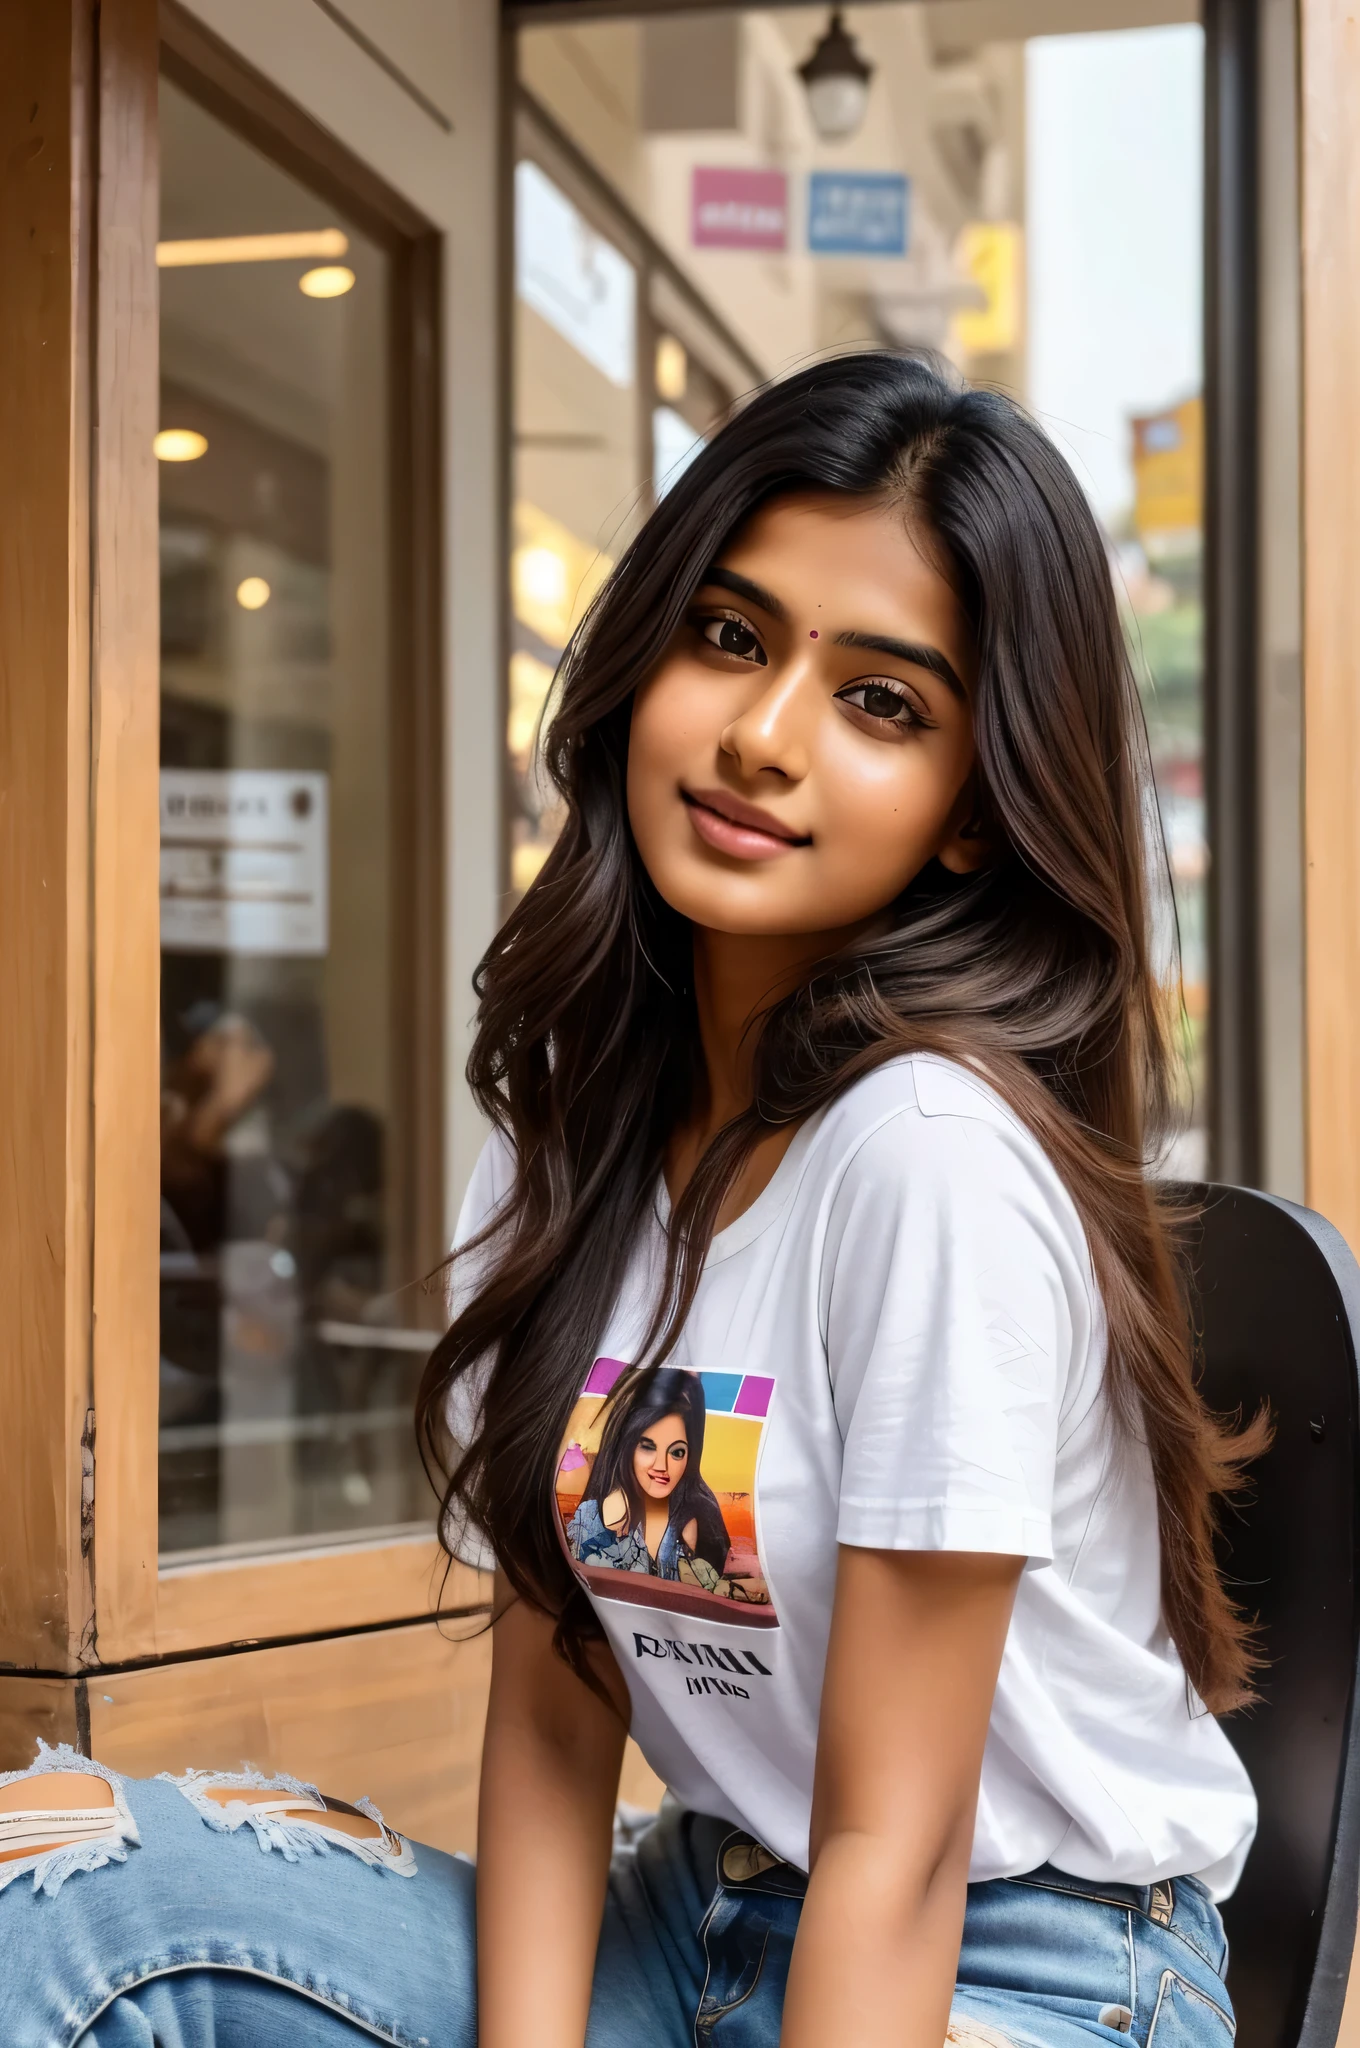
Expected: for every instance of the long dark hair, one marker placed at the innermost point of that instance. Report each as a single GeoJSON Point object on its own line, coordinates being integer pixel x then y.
{"type": "Point", "coordinates": [640, 1400]}
{"type": "Point", "coordinates": [1038, 968]}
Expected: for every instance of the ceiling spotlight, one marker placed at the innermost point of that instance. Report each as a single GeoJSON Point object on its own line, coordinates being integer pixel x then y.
{"type": "Point", "coordinates": [179, 444]}
{"type": "Point", "coordinates": [253, 593]}
{"type": "Point", "coordinates": [331, 281]}
{"type": "Point", "coordinates": [837, 78]}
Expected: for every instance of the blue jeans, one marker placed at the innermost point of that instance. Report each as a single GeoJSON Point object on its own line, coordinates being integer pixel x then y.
{"type": "Point", "coordinates": [189, 1923]}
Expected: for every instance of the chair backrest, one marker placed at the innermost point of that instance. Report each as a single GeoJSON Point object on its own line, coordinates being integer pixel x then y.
{"type": "Point", "coordinates": [1279, 1306]}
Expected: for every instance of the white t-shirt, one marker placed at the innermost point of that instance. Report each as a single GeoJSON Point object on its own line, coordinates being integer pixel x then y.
{"type": "Point", "coordinates": [899, 1345]}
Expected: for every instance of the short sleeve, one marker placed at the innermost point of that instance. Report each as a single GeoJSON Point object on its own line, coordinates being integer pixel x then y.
{"type": "Point", "coordinates": [957, 1304]}
{"type": "Point", "coordinates": [487, 1190]}
{"type": "Point", "coordinates": [493, 1178]}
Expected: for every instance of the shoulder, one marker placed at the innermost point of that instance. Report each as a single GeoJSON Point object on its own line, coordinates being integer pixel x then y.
{"type": "Point", "coordinates": [921, 1107]}
{"type": "Point", "coordinates": [491, 1181]}
{"type": "Point", "coordinates": [932, 1139]}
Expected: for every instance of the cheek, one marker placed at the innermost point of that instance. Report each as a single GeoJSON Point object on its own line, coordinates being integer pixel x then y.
{"type": "Point", "coordinates": [668, 722]}
{"type": "Point", "coordinates": [883, 806]}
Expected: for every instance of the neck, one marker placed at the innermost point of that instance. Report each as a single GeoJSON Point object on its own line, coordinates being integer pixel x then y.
{"type": "Point", "coordinates": [736, 978]}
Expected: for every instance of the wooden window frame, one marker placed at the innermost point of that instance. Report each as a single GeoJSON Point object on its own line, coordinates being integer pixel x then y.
{"type": "Point", "coordinates": [142, 1611]}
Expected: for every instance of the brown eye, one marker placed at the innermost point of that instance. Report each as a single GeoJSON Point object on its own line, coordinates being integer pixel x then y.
{"type": "Point", "coordinates": [733, 636]}
{"type": "Point", "coordinates": [881, 702]}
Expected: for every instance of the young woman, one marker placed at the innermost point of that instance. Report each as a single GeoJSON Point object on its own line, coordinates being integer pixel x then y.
{"type": "Point", "coordinates": [824, 1059]}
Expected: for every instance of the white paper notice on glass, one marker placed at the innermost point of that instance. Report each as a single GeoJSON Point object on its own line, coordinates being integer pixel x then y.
{"type": "Point", "coordinates": [244, 860]}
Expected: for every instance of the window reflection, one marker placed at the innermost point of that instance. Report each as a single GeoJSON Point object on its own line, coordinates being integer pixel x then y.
{"type": "Point", "coordinates": [287, 1367]}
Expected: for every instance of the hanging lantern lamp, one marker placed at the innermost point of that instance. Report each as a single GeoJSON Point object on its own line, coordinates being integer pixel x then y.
{"type": "Point", "coordinates": [836, 78]}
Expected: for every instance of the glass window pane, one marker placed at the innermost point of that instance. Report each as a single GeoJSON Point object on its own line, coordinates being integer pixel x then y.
{"type": "Point", "coordinates": [286, 1373]}
{"type": "Point", "coordinates": [1114, 177]}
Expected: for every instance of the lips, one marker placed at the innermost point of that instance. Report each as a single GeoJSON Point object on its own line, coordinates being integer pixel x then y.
{"type": "Point", "coordinates": [743, 830]}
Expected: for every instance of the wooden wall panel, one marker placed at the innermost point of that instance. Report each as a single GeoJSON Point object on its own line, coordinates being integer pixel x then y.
{"type": "Point", "coordinates": [1330, 126]}
{"type": "Point", "coordinates": [396, 1714]}
{"type": "Point", "coordinates": [33, 1707]}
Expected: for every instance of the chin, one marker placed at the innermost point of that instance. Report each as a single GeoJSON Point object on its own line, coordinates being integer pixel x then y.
{"type": "Point", "coordinates": [730, 903]}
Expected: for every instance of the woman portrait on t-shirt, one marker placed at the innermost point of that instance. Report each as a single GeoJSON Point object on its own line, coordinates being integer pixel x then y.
{"type": "Point", "coordinates": [646, 1506]}
{"type": "Point", "coordinates": [830, 1047]}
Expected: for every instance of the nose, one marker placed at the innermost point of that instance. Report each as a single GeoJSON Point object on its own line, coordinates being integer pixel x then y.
{"type": "Point", "coordinates": [772, 735]}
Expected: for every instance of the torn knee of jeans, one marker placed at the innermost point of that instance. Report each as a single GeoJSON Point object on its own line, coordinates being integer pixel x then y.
{"type": "Point", "coordinates": [64, 1813]}
{"type": "Point", "coordinates": [970, 2033]}
{"type": "Point", "coordinates": [289, 1815]}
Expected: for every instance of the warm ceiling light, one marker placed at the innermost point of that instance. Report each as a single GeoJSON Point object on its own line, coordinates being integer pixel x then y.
{"type": "Point", "coordinates": [836, 78]}
{"type": "Point", "coordinates": [540, 575]}
{"type": "Point", "coordinates": [251, 248]}
{"type": "Point", "coordinates": [253, 593]}
{"type": "Point", "coordinates": [672, 369]}
{"type": "Point", "coordinates": [332, 281]}
{"type": "Point", "coordinates": [179, 444]}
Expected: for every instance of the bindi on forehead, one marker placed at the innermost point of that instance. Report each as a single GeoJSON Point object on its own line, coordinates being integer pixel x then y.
{"type": "Point", "coordinates": [813, 634]}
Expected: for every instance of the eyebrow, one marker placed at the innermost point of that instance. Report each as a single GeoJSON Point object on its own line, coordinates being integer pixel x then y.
{"type": "Point", "coordinates": [915, 652]}
{"type": "Point", "coordinates": [742, 586]}
{"type": "Point", "coordinates": [920, 656]}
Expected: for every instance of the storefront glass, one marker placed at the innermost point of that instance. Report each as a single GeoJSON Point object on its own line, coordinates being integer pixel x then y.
{"type": "Point", "coordinates": [287, 1366]}
{"type": "Point", "coordinates": [1026, 204]}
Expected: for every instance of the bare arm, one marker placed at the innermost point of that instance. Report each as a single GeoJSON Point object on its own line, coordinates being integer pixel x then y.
{"type": "Point", "coordinates": [550, 1775]}
{"type": "Point", "coordinates": [916, 1643]}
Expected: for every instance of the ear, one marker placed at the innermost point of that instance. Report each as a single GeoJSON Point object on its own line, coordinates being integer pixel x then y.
{"type": "Point", "coordinates": [967, 843]}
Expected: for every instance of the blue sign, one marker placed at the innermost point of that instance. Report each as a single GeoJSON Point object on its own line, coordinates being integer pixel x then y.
{"type": "Point", "coordinates": [857, 213]}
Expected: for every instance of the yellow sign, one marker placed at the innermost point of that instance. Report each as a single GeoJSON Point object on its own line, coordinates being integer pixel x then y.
{"type": "Point", "coordinates": [989, 254]}
{"type": "Point", "coordinates": [1168, 470]}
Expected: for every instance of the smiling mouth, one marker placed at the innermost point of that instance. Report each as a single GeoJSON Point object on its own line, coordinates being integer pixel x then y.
{"type": "Point", "coordinates": [739, 829]}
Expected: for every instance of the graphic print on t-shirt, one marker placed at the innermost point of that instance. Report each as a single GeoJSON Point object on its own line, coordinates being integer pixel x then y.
{"type": "Point", "coordinates": [656, 1490]}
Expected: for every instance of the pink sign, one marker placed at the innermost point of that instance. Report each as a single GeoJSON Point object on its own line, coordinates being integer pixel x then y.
{"type": "Point", "coordinates": [737, 209]}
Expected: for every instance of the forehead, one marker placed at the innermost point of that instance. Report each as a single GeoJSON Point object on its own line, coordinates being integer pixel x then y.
{"type": "Point", "coordinates": [863, 562]}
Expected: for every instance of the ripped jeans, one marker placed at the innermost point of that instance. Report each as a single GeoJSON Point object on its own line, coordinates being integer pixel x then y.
{"type": "Point", "coordinates": [214, 1911]}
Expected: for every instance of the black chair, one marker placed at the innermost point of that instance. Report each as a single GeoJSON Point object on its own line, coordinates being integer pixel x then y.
{"type": "Point", "coordinates": [1278, 1296]}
